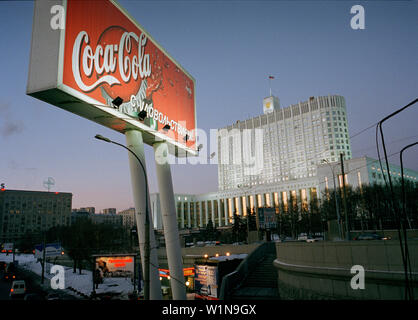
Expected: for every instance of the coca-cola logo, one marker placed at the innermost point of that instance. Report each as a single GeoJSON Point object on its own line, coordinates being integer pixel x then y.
{"type": "Point", "coordinates": [118, 62]}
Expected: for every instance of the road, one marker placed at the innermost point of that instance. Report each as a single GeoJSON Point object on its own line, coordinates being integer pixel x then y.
{"type": "Point", "coordinates": [32, 283]}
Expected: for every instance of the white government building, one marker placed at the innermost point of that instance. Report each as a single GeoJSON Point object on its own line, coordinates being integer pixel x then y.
{"type": "Point", "coordinates": [265, 159]}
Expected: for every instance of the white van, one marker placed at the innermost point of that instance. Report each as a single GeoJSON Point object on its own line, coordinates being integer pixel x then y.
{"type": "Point", "coordinates": [18, 288]}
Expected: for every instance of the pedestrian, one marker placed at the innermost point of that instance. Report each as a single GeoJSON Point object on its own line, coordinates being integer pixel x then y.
{"type": "Point", "coordinates": [97, 277]}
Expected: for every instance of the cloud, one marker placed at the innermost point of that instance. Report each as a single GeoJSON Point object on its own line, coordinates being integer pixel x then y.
{"type": "Point", "coordinates": [8, 125]}
{"type": "Point", "coordinates": [11, 128]}
{"type": "Point", "coordinates": [15, 165]}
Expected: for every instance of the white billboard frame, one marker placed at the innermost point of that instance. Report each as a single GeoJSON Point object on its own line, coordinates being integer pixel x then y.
{"type": "Point", "coordinates": [45, 80]}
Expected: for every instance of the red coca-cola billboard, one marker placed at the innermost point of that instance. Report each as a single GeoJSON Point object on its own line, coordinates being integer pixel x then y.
{"type": "Point", "coordinates": [98, 53]}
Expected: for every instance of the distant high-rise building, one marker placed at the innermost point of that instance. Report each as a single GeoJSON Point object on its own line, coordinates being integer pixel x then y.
{"type": "Point", "coordinates": [293, 141]}
{"type": "Point", "coordinates": [106, 218]}
{"type": "Point", "coordinates": [360, 172]}
{"type": "Point", "coordinates": [109, 211]}
{"type": "Point", "coordinates": [90, 210]}
{"type": "Point", "coordinates": [77, 214]}
{"type": "Point", "coordinates": [128, 217]}
{"type": "Point", "coordinates": [23, 212]}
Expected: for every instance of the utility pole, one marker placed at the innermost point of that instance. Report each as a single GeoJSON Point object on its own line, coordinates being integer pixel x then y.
{"type": "Point", "coordinates": [347, 229]}
{"type": "Point", "coordinates": [337, 209]}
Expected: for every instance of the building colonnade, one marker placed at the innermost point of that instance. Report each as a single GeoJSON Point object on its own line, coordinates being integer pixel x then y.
{"type": "Point", "coordinates": [196, 211]}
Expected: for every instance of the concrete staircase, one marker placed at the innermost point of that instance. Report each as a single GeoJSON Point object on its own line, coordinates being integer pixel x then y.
{"type": "Point", "coordinates": [260, 283]}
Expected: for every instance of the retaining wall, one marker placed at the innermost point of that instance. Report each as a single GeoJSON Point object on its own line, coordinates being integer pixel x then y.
{"type": "Point", "coordinates": [322, 270]}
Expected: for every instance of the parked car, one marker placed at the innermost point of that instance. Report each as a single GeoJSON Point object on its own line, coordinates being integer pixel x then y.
{"type": "Point", "coordinates": [371, 236]}
{"type": "Point", "coordinates": [18, 289]}
{"type": "Point", "coordinates": [288, 239]}
{"type": "Point", "coordinates": [314, 238]}
{"type": "Point", "coordinates": [9, 276]}
{"type": "Point", "coordinates": [3, 266]}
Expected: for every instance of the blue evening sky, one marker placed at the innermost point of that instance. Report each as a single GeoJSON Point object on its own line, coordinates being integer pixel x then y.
{"type": "Point", "coordinates": [230, 48]}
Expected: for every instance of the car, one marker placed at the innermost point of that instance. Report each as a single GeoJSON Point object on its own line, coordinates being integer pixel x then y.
{"type": "Point", "coordinates": [3, 266]}
{"type": "Point", "coordinates": [18, 289]}
{"type": "Point", "coordinates": [288, 239]}
{"type": "Point", "coordinates": [314, 238]}
{"type": "Point", "coordinates": [9, 276]}
{"type": "Point", "coordinates": [370, 236]}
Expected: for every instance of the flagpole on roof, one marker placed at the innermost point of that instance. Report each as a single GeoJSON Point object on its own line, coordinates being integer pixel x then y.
{"type": "Point", "coordinates": [270, 77]}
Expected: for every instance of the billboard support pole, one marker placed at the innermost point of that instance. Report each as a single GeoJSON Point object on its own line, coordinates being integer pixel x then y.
{"type": "Point", "coordinates": [139, 188]}
{"type": "Point", "coordinates": [169, 217]}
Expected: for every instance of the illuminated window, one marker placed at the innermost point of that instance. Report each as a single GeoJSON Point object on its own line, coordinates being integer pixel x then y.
{"type": "Point", "coordinates": [340, 180]}
{"type": "Point", "coordinates": [236, 201]}
{"type": "Point", "coordinates": [359, 179]}
{"type": "Point", "coordinates": [276, 199]}
{"type": "Point", "coordinates": [251, 202]}
{"type": "Point", "coordinates": [284, 199]}
{"type": "Point", "coordinates": [268, 202]}
{"type": "Point", "coordinates": [259, 200]}
{"type": "Point", "coordinates": [294, 198]}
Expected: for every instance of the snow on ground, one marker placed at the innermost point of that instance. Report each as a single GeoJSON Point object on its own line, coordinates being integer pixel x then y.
{"type": "Point", "coordinates": [81, 282]}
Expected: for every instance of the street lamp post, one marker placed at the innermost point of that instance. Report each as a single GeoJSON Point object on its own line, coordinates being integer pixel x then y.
{"type": "Point", "coordinates": [246, 188]}
{"type": "Point", "coordinates": [337, 209]}
{"type": "Point", "coordinates": [147, 223]}
{"type": "Point", "coordinates": [347, 227]}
